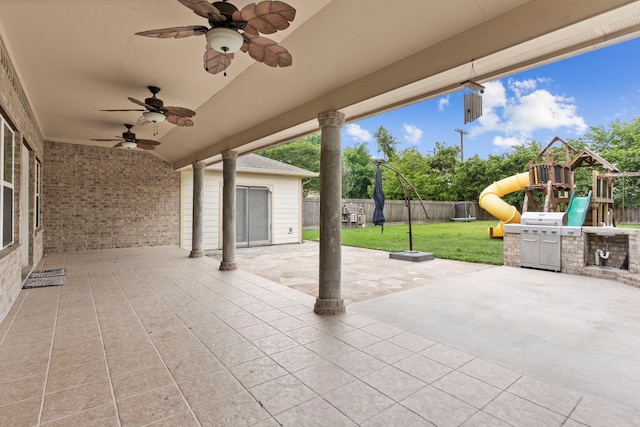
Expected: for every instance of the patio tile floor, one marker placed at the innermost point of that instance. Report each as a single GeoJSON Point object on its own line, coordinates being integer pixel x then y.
{"type": "Point", "coordinates": [148, 336]}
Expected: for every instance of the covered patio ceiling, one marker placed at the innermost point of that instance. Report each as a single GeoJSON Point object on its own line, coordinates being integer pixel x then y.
{"type": "Point", "coordinates": [362, 57]}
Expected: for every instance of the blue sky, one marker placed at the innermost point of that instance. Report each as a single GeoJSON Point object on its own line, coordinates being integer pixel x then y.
{"type": "Point", "coordinates": [561, 99]}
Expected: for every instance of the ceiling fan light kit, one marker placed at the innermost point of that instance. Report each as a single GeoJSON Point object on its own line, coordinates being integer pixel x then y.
{"type": "Point", "coordinates": [154, 116]}
{"type": "Point", "coordinates": [224, 40]}
{"type": "Point", "coordinates": [128, 144]}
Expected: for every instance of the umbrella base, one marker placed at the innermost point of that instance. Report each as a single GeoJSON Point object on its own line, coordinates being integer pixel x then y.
{"type": "Point", "coordinates": [414, 256]}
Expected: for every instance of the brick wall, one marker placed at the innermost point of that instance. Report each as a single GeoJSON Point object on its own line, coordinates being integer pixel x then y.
{"type": "Point", "coordinates": [15, 108]}
{"type": "Point", "coordinates": [10, 278]}
{"type": "Point", "coordinates": [573, 260]}
{"type": "Point", "coordinates": [96, 198]}
{"type": "Point", "coordinates": [511, 249]}
{"type": "Point", "coordinates": [634, 253]}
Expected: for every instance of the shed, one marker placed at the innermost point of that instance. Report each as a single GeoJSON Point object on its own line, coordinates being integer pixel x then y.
{"type": "Point", "coordinates": [268, 203]}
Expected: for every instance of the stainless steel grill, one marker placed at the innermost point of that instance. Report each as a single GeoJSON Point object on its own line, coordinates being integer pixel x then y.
{"type": "Point", "coordinates": [552, 219]}
{"type": "Point", "coordinates": [540, 242]}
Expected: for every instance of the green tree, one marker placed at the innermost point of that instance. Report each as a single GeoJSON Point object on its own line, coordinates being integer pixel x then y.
{"type": "Point", "coordinates": [442, 169]}
{"type": "Point", "coordinates": [470, 178]}
{"type": "Point", "coordinates": [432, 175]}
{"type": "Point", "coordinates": [303, 153]}
{"type": "Point", "coordinates": [358, 172]}
{"type": "Point", "coordinates": [386, 144]}
{"type": "Point", "coordinates": [413, 166]}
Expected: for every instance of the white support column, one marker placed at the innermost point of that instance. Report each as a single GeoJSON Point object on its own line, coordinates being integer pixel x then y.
{"type": "Point", "coordinates": [329, 299]}
{"type": "Point", "coordinates": [228, 211]}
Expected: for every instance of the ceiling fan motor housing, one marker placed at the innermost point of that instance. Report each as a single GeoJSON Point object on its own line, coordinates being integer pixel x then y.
{"type": "Point", "coordinates": [156, 103]}
{"type": "Point", "coordinates": [128, 136]}
{"type": "Point", "coordinates": [225, 8]}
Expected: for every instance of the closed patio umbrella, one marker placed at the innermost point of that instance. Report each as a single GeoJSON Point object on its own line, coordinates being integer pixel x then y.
{"type": "Point", "coordinates": [378, 200]}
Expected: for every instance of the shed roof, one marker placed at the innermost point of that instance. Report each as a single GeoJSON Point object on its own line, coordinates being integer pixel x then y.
{"type": "Point", "coordinates": [254, 163]}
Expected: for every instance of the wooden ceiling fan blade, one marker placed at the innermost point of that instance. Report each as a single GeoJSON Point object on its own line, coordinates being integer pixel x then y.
{"type": "Point", "coordinates": [215, 62]}
{"type": "Point", "coordinates": [180, 121]}
{"type": "Point", "coordinates": [117, 145]}
{"type": "Point", "coordinates": [185, 122]}
{"type": "Point", "coordinates": [131, 109]}
{"type": "Point", "coordinates": [266, 17]}
{"type": "Point", "coordinates": [175, 32]}
{"type": "Point", "coordinates": [150, 142]}
{"type": "Point", "coordinates": [267, 51]}
{"type": "Point", "coordinates": [179, 111]}
{"type": "Point", "coordinates": [106, 139]}
{"type": "Point", "coordinates": [147, 106]}
{"type": "Point", "coordinates": [203, 8]}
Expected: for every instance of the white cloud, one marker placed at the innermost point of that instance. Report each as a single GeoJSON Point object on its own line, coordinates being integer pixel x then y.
{"type": "Point", "coordinates": [443, 102]}
{"type": "Point", "coordinates": [543, 110]}
{"type": "Point", "coordinates": [522, 108]}
{"type": "Point", "coordinates": [358, 133]}
{"type": "Point", "coordinates": [507, 142]}
{"type": "Point", "coordinates": [495, 95]}
{"type": "Point", "coordinates": [412, 133]}
{"type": "Point", "coordinates": [522, 86]}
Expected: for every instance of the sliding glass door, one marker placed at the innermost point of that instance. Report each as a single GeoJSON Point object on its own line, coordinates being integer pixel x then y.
{"type": "Point", "coordinates": [253, 216]}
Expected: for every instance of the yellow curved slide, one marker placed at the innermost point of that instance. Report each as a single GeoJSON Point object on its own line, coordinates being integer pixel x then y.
{"type": "Point", "coordinates": [491, 201]}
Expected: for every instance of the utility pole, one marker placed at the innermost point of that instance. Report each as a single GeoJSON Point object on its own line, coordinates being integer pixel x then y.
{"type": "Point", "coordinates": [462, 132]}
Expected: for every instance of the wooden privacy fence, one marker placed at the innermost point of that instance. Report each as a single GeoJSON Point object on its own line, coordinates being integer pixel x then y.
{"type": "Point", "coordinates": [627, 215]}
{"type": "Point", "coordinates": [395, 211]}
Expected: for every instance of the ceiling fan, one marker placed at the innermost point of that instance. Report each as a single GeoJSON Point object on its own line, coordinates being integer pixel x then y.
{"type": "Point", "coordinates": [232, 30]}
{"type": "Point", "coordinates": [156, 112]}
{"type": "Point", "coordinates": [129, 140]}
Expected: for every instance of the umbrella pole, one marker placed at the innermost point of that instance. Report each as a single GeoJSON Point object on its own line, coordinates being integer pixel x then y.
{"type": "Point", "coordinates": [408, 198]}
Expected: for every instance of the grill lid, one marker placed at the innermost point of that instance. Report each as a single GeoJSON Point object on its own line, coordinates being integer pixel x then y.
{"type": "Point", "coordinates": [555, 219]}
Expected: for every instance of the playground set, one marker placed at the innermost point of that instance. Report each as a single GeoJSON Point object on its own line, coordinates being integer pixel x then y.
{"type": "Point", "coordinates": [552, 184]}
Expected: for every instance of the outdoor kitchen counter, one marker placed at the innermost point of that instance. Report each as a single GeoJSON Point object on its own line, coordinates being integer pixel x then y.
{"type": "Point", "coordinates": [578, 249]}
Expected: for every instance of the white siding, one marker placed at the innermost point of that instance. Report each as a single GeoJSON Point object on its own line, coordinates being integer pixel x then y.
{"type": "Point", "coordinates": [285, 205]}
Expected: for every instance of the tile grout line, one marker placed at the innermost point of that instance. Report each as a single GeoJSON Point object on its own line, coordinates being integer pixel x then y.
{"type": "Point", "coordinates": [104, 351]}
{"type": "Point", "coordinates": [14, 317]}
{"type": "Point", "coordinates": [227, 369]}
{"type": "Point", "coordinates": [428, 384]}
{"type": "Point", "coordinates": [175, 383]}
{"type": "Point", "coordinates": [573, 410]}
{"type": "Point", "coordinates": [395, 402]}
{"type": "Point", "coordinates": [46, 377]}
{"type": "Point", "coordinates": [504, 390]}
{"type": "Point", "coordinates": [235, 329]}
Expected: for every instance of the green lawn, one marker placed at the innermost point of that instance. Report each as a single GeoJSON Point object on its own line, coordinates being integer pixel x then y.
{"type": "Point", "coordinates": [464, 241]}
{"type": "Point", "coordinates": [629, 225]}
